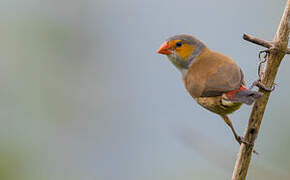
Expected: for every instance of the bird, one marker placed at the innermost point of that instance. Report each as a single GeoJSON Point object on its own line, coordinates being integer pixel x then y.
{"type": "Point", "coordinates": [213, 79]}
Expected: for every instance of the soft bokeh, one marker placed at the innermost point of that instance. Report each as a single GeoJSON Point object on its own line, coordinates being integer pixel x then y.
{"type": "Point", "coordinates": [85, 96]}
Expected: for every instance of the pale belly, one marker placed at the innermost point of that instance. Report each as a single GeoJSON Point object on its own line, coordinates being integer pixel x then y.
{"type": "Point", "coordinates": [218, 104]}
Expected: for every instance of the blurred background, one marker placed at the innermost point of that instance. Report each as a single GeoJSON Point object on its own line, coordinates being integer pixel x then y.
{"type": "Point", "coordinates": [85, 96]}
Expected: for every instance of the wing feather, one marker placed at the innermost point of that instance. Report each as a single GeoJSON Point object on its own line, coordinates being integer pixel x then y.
{"type": "Point", "coordinates": [228, 77]}
{"type": "Point", "coordinates": [213, 74]}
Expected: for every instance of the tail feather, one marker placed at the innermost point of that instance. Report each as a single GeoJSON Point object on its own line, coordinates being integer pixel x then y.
{"type": "Point", "coordinates": [246, 96]}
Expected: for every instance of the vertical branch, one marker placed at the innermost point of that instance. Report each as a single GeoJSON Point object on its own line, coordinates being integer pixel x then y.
{"type": "Point", "coordinates": [276, 51]}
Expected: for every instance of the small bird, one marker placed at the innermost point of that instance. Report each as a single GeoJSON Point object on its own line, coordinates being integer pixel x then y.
{"type": "Point", "coordinates": [213, 79]}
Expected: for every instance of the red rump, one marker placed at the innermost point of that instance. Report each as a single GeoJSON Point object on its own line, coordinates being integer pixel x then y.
{"type": "Point", "coordinates": [231, 94]}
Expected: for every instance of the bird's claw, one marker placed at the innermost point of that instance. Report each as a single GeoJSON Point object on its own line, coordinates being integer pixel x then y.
{"type": "Point", "coordinates": [241, 140]}
{"type": "Point", "coordinates": [260, 85]}
{"type": "Point", "coordinates": [255, 152]}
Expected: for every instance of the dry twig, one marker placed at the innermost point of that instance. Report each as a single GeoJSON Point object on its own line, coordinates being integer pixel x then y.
{"type": "Point", "coordinates": [276, 51]}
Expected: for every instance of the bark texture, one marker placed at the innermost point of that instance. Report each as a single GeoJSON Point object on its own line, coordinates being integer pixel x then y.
{"type": "Point", "coordinates": [276, 51]}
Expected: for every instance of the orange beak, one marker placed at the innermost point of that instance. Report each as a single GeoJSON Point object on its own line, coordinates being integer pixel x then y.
{"type": "Point", "coordinates": [164, 49]}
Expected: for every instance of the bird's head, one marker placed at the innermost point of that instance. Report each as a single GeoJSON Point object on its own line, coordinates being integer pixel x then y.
{"type": "Point", "coordinates": [181, 50]}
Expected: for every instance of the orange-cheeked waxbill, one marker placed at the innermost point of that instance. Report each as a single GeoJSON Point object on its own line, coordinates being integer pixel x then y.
{"type": "Point", "coordinates": [213, 79]}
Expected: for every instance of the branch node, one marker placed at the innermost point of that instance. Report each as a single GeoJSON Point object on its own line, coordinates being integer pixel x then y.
{"type": "Point", "coordinates": [253, 130]}
{"type": "Point", "coordinates": [270, 45]}
{"type": "Point", "coordinates": [274, 54]}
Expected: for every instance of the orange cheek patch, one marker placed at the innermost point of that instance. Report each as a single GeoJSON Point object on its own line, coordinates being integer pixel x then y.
{"type": "Point", "coordinates": [185, 51]}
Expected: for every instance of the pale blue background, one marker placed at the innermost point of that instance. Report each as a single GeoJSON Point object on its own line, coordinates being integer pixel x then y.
{"type": "Point", "coordinates": [85, 96]}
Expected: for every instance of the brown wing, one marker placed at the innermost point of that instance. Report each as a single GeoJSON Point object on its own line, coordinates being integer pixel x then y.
{"type": "Point", "coordinates": [228, 77]}
{"type": "Point", "coordinates": [212, 75]}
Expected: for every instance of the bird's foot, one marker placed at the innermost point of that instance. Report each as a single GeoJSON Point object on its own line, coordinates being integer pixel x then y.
{"type": "Point", "coordinates": [260, 85]}
{"type": "Point", "coordinates": [241, 140]}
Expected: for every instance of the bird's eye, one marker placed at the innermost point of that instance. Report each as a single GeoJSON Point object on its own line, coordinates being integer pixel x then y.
{"type": "Point", "coordinates": [178, 44]}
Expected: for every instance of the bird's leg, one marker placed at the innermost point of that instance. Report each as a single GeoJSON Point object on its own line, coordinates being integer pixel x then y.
{"type": "Point", "coordinates": [239, 139]}
{"type": "Point", "coordinates": [261, 86]}
{"type": "Point", "coordinates": [258, 82]}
